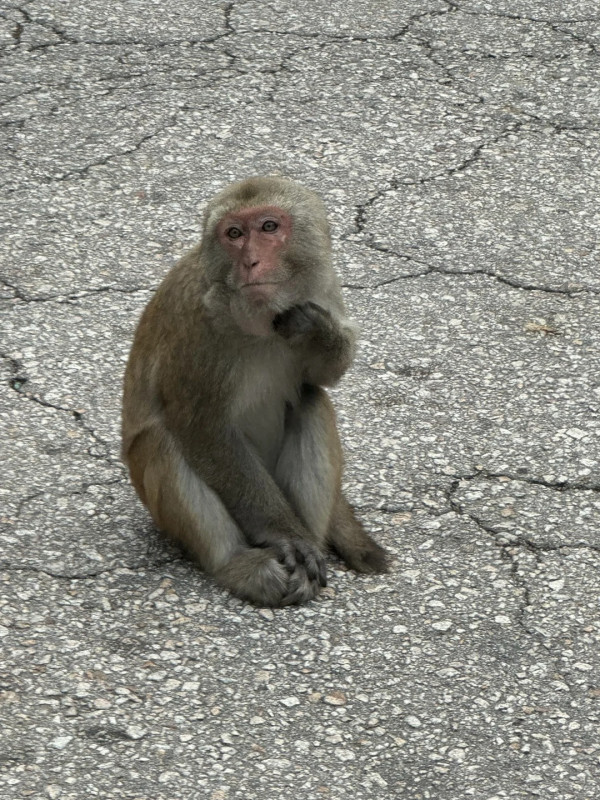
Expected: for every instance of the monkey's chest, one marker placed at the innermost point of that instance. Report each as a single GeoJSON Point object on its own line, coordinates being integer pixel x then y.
{"type": "Point", "coordinates": [268, 387]}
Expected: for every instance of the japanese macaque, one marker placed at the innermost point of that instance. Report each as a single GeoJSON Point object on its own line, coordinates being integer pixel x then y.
{"type": "Point", "coordinates": [230, 439]}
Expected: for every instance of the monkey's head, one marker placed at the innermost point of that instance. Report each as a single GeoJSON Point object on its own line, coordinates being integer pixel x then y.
{"type": "Point", "coordinates": [266, 244]}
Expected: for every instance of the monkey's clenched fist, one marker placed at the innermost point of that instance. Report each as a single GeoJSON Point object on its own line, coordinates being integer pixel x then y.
{"type": "Point", "coordinates": [230, 440]}
{"type": "Point", "coordinates": [302, 319]}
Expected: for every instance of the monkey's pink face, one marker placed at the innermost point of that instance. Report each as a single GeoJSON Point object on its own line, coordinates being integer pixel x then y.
{"type": "Point", "coordinates": [254, 239]}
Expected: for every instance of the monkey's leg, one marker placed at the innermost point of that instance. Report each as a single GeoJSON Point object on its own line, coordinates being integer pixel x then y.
{"type": "Point", "coordinates": [309, 464]}
{"type": "Point", "coordinates": [189, 511]}
{"type": "Point", "coordinates": [309, 472]}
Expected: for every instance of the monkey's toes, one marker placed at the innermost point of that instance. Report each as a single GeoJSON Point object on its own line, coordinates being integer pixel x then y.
{"type": "Point", "coordinates": [315, 567]}
{"type": "Point", "coordinates": [286, 554]}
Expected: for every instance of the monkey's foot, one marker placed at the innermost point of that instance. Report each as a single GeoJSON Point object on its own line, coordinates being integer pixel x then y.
{"type": "Point", "coordinates": [368, 557]}
{"type": "Point", "coordinates": [351, 541]}
{"type": "Point", "coordinates": [256, 575]}
{"type": "Point", "coordinates": [358, 550]}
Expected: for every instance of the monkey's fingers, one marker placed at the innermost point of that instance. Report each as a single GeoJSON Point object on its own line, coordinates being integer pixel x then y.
{"type": "Point", "coordinates": [293, 321]}
{"type": "Point", "coordinates": [286, 554]}
{"type": "Point", "coordinates": [300, 589]}
{"type": "Point", "coordinates": [322, 572]}
{"type": "Point", "coordinates": [316, 310]}
{"type": "Point", "coordinates": [298, 553]}
{"type": "Point", "coordinates": [312, 561]}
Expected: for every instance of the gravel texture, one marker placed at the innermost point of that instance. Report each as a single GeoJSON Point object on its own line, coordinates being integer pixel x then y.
{"type": "Point", "coordinates": [457, 146]}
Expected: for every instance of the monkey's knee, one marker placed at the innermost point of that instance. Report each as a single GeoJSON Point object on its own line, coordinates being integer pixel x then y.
{"type": "Point", "coordinates": [257, 576]}
{"type": "Point", "coordinates": [181, 503]}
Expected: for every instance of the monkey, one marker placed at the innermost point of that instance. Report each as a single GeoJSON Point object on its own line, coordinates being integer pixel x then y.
{"type": "Point", "coordinates": [227, 430]}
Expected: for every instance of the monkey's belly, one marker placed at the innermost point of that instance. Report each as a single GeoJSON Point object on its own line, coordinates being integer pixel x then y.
{"type": "Point", "coordinates": [268, 381]}
{"type": "Point", "coordinates": [264, 427]}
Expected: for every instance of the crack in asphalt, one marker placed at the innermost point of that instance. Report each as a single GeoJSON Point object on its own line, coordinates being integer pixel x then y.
{"type": "Point", "coordinates": [526, 18]}
{"type": "Point", "coordinates": [81, 171]}
{"type": "Point", "coordinates": [360, 219]}
{"type": "Point", "coordinates": [509, 552]}
{"type": "Point", "coordinates": [148, 566]}
{"type": "Point", "coordinates": [513, 283]}
{"type": "Point", "coordinates": [66, 38]}
{"type": "Point", "coordinates": [560, 486]}
{"type": "Point", "coordinates": [63, 298]}
{"type": "Point", "coordinates": [19, 379]}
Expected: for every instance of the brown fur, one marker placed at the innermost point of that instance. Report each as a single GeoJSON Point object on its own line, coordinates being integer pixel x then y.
{"type": "Point", "coordinates": [230, 440]}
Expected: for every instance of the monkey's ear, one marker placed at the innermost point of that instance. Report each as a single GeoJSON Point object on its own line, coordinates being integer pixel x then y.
{"type": "Point", "coordinates": [212, 214]}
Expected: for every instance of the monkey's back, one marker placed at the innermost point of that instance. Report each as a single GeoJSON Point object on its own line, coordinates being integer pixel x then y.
{"type": "Point", "coordinates": [163, 350]}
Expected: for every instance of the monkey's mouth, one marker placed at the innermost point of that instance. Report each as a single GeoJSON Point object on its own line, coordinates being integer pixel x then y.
{"type": "Point", "coordinates": [259, 283]}
{"type": "Point", "coordinates": [260, 290]}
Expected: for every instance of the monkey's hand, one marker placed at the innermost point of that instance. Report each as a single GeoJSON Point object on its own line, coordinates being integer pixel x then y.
{"type": "Point", "coordinates": [326, 342]}
{"type": "Point", "coordinates": [301, 320]}
{"type": "Point", "coordinates": [305, 568]}
{"type": "Point", "coordinates": [298, 555]}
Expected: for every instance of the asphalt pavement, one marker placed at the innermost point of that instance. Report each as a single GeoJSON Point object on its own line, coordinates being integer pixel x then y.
{"type": "Point", "coordinates": [457, 148]}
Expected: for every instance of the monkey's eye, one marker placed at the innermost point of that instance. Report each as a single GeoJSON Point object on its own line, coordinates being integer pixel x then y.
{"type": "Point", "coordinates": [270, 225]}
{"type": "Point", "coordinates": [234, 233]}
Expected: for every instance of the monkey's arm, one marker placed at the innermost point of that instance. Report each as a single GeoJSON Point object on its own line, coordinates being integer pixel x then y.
{"type": "Point", "coordinates": [326, 342]}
